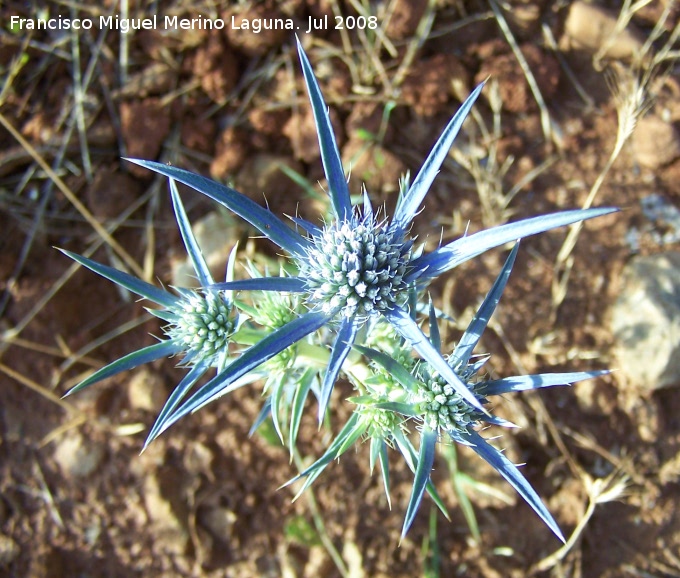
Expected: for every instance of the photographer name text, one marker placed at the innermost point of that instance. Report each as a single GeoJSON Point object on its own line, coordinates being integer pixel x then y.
{"type": "Point", "coordinates": [155, 22]}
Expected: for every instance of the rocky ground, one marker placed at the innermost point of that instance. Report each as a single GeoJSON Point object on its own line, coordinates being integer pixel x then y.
{"type": "Point", "coordinates": [581, 106]}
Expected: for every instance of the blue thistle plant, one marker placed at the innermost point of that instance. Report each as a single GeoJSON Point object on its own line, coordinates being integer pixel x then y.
{"type": "Point", "coordinates": [351, 304]}
{"type": "Point", "coordinates": [401, 390]}
{"type": "Point", "coordinates": [354, 267]}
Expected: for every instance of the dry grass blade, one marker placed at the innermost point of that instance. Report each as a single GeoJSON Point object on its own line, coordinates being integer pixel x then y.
{"type": "Point", "coordinates": [78, 356]}
{"type": "Point", "coordinates": [632, 97]}
{"type": "Point", "coordinates": [632, 100]}
{"type": "Point", "coordinates": [9, 335]}
{"type": "Point", "coordinates": [600, 491]}
{"type": "Point", "coordinates": [79, 97]}
{"type": "Point", "coordinates": [421, 35]}
{"type": "Point", "coordinates": [546, 123]}
{"type": "Point", "coordinates": [628, 10]}
{"type": "Point", "coordinates": [552, 44]}
{"type": "Point", "coordinates": [73, 199]}
{"type": "Point", "coordinates": [39, 389]}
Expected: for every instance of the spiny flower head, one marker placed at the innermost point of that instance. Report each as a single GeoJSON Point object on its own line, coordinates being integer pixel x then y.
{"type": "Point", "coordinates": [356, 267]}
{"type": "Point", "coordinates": [441, 407]}
{"type": "Point", "coordinates": [380, 423]}
{"type": "Point", "coordinates": [203, 325]}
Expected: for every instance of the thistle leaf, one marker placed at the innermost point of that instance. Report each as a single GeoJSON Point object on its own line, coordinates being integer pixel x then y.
{"type": "Point", "coordinates": [428, 441]}
{"type": "Point", "coordinates": [526, 382]}
{"type": "Point", "coordinates": [408, 328]}
{"type": "Point", "coordinates": [409, 203]}
{"type": "Point", "coordinates": [301, 393]}
{"type": "Point", "coordinates": [463, 249]}
{"type": "Point", "coordinates": [275, 396]}
{"type": "Point", "coordinates": [177, 395]}
{"type": "Point", "coordinates": [142, 288]}
{"type": "Point", "coordinates": [265, 349]}
{"type": "Point", "coordinates": [262, 219]}
{"type": "Point", "coordinates": [341, 348]}
{"type": "Point", "coordinates": [473, 333]}
{"type": "Point", "coordinates": [510, 472]}
{"type": "Point", "coordinates": [394, 368]}
{"type": "Point", "coordinates": [193, 250]}
{"type": "Point", "coordinates": [264, 413]}
{"type": "Point", "coordinates": [279, 284]}
{"type": "Point", "coordinates": [330, 155]}
{"type": "Point", "coordinates": [130, 361]}
{"type": "Point", "coordinates": [435, 338]}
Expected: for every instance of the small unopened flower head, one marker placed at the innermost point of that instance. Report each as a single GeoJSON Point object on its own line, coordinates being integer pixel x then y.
{"type": "Point", "coordinates": [380, 423]}
{"type": "Point", "coordinates": [442, 407]}
{"type": "Point", "coordinates": [357, 267]}
{"type": "Point", "coordinates": [204, 324]}
{"type": "Point", "coordinates": [274, 310]}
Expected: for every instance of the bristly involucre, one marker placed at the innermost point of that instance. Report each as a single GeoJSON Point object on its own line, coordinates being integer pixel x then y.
{"type": "Point", "coordinates": [357, 267]}
{"type": "Point", "coordinates": [203, 326]}
{"type": "Point", "coordinates": [441, 406]}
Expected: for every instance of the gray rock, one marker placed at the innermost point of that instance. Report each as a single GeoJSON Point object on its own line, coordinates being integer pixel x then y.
{"type": "Point", "coordinates": [645, 321]}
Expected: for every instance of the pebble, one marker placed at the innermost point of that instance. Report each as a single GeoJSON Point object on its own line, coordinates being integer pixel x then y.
{"type": "Point", "coordinates": [171, 534]}
{"type": "Point", "coordinates": [77, 457]}
{"type": "Point", "coordinates": [645, 322]}
{"type": "Point", "coordinates": [9, 550]}
{"type": "Point", "coordinates": [656, 143]}
{"type": "Point", "coordinates": [146, 390]}
{"type": "Point", "coordinates": [219, 521]}
{"type": "Point", "coordinates": [590, 27]}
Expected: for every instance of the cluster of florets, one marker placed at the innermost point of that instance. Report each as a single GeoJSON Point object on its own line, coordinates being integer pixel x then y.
{"type": "Point", "coordinates": [442, 407]}
{"type": "Point", "coordinates": [381, 423]}
{"type": "Point", "coordinates": [203, 325]}
{"type": "Point", "coordinates": [274, 310]}
{"type": "Point", "coordinates": [356, 267]}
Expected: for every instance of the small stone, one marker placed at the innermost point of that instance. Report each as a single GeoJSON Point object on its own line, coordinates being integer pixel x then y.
{"type": "Point", "coordinates": [9, 550]}
{"type": "Point", "coordinates": [198, 459]}
{"type": "Point", "coordinates": [219, 521]}
{"type": "Point", "coordinates": [216, 67]}
{"type": "Point", "coordinates": [244, 33]}
{"type": "Point", "coordinates": [429, 86]}
{"type": "Point", "coordinates": [146, 390]}
{"type": "Point", "coordinates": [656, 143]}
{"type": "Point", "coordinates": [404, 17]}
{"type": "Point", "coordinates": [111, 192]}
{"type": "Point", "coordinates": [499, 63]}
{"type": "Point", "coordinates": [76, 456]}
{"type": "Point", "coordinates": [231, 151]}
{"type": "Point", "coordinates": [669, 472]}
{"type": "Point", "coordinates": [590, 28]}
{"type": "Point", "coordinates": [170, 533]}
{"type": "Point", "coordinates": [645, 321]}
